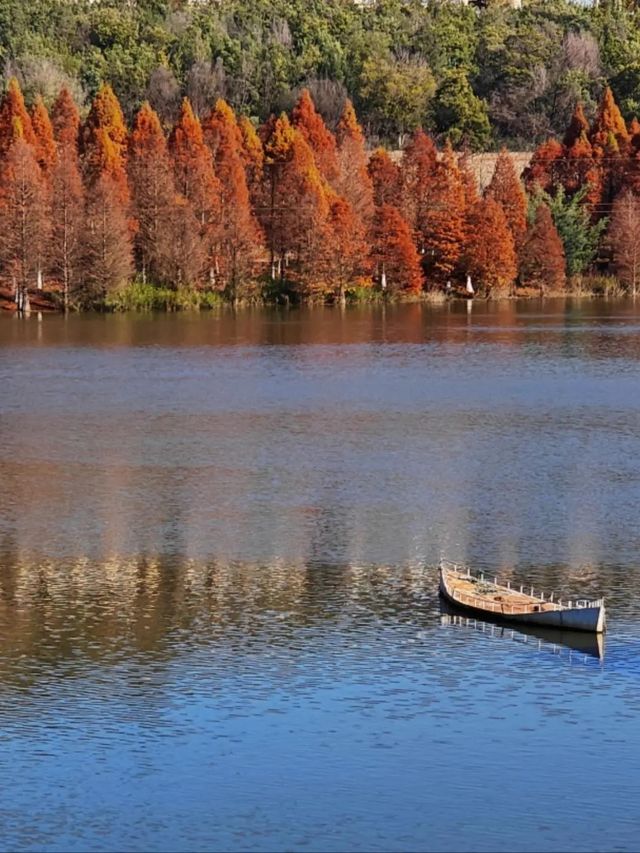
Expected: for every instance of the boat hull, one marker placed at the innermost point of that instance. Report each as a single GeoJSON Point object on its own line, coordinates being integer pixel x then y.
{"type": "Point", "coordinates": [570, 619]}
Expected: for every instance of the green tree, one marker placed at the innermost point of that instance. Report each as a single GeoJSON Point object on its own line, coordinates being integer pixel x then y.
{"type": "Point", "coordinates": [461, 114]}
{"type": "Point", "coordinates": [397, 93]}
{"type": "Point", "coordinates": [579, 234]}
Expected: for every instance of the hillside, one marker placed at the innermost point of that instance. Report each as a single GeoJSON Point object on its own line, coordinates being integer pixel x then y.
{"type": "Point", "coordinates": [484, 76]}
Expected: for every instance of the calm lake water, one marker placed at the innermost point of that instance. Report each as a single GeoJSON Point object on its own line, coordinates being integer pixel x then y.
{"type": "Point", "coordinates": [219, 537]}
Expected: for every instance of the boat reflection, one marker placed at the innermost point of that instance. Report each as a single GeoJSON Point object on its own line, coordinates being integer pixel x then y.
{"type": "Point", "coordinates": [590, 645]}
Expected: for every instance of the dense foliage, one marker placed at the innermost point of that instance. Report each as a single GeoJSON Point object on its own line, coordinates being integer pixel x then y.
{"type": "Point", "coordinates": [484, 76]}
{"type": "Point", "coordinates": [97, 212]}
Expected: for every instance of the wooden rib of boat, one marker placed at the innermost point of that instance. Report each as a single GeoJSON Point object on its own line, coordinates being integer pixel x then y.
{"type": "Point", "coordinates": [479, 595]}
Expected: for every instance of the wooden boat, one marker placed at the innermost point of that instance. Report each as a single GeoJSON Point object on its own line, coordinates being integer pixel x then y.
{"type": "Point", "coordinates": [479, 595]}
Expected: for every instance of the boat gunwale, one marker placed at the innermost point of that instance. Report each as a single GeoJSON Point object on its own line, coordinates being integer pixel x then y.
{"type": "Point", "coordinates": [487, 605]}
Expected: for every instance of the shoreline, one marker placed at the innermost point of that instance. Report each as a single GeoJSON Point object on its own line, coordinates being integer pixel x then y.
{"type": "Point", "coordinates": [48, 301]}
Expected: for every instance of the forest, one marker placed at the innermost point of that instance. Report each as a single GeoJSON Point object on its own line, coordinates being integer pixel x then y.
{"type": "Point", "coordinates": [96, 214]}
{"type": "Point", "coordinates": [486, 77]}
{"type": "Point", "coordinates": [172, 154]}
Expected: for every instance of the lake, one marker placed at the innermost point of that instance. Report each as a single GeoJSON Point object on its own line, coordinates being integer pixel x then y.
{"type": "Point", "coordinates": [219, 539]}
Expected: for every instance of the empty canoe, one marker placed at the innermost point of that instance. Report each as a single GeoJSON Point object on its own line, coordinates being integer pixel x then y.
{"type": "Point", "coordinates": [474, 592]}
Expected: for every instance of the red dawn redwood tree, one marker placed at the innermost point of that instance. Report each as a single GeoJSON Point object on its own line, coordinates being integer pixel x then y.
{"type": "Point", "coordinates": [576, 127]}
{"type": "Point", "coordinates": [104, 143]}
{"type": "Point", "coordinates": [396, 261]}
{"type": "Point", "coordinates": [108, 252]}
{"type": "Point", "coordinates": [444, 227]}
{"type": "Point", "coordinates": [197, 182]}
{"type": "Point", "coordinates": [152, 188]}
{"type": "Point", "coordinates": [65, 119]}
{"type": "Point", "coordinates": [24, 219]}
{"type": "Point", "coordinates": [608, 126]}
{"type": "Point", "coordinates": [544, 168]}
{"type": "Point", "coordinates": [239, 236]}
{"type": "Point", "coordinates": [385, 178]}
{"type": "Point", "coordinates": [624, 238]}
{"type": "Point", "coordinates": [252, 155]}
{"type": "Point", "coordinates": [417, 172]}
{"type": "Point", "coordinates": [354, 182]}
{"type": "Point", "coordinates": [294, 204]}
{"type": "Point", "coordinates": [15, 121]}
{"type": "Point", "coordinates": [344, 256]}
{"type": "Point", "coordinates": [542, 261]}
{"type": "Point", "coordinates": [490, 256]}
{"type": "Point", "coordinates": [317, 135]}
{"type": "Point", "coordinates": [505, 188]}
{"type": "Point", "coordinates": [67, 198]}
{"type": "Point", "coordinates": [45, 145]}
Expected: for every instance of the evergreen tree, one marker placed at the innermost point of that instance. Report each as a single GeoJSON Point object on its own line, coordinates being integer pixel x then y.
{"type": "Point", "coordinates": [579, 234]}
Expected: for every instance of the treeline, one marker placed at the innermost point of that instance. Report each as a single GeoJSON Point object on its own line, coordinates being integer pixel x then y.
{"type": "Point", "coordinates": [220, 209]}
{"type": "Point", "coordinates": [480, 76]}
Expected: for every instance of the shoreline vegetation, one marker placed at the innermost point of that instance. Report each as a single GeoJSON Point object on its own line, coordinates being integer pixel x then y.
{"type": "Point", "coordinates": [98, 215]}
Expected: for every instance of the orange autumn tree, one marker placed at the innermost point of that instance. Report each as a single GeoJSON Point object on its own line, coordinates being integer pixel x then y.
{"type": "Point", "coordinates": [577, 126]}
{"type": "Point", "coordinates": [394, 256]}
{"type": "Point", "coordinates": [542, 260]}
{"type": "Point", "coordinates": [505, 189]}
{"type": "Point", "coordinates": [153, 191]}
{"type": "Point", "coordinates": [295, 205]}
{"type": "Point", "coordinates": [609, 131]}
{"type": "Point", "coordinates": [609, 140]}
{"type": "Point", "coordinates": [490, 256]}
{"type": "Point", "coordinates": [108, 250]}
{"type": "Point", "coordinates": [444, 227]}
{"type": "Point", "coordinates": [624, 238]}
{"type": "Point", "coordinates": [543, 171]}
{"type": "Point", "coordinates": [15, 121]}
{"type": "Point", "coordinates": [45, 145]}
{"type": "Point", "coordinates": [354, 182]}
{"type": "Point", "coordinates": [104, 143]}
{"type": "Point", "coordinates": [24, 219]}
{"type": "Point", "coordinates": [197, 182]}
{"type": "Point", "coordinates": [344, 253]}
{"type": "Point", "coordinates": [65, 119]}
{"type": "Point", "coordinates": [67, 198]}
{"type": "Point", "coordinates": [108, 253]}
{"type": "Point", "coordinates": [469, 180]}
{"type": "Point", "coordinates": [239, 235]}
{"type": "Point", "coordinates": [417, 173]}
{"type": "Point", "coordinates": [252, 156]}
{"type": "Point", "coordinates": [385, 178]}
{"type": "Point", "coordinates": [317, 135]}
